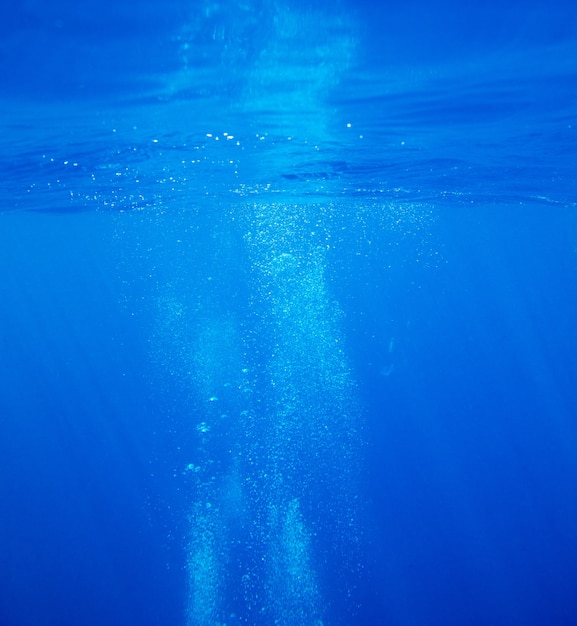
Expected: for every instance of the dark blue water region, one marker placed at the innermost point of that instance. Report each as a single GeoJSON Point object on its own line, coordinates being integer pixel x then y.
{"type": "Point", "coordinates": [65, 49]}
{"type": "Point", "coordinates": [464, 353]}
{"type": "Point", "coordinates": [472, 427]}
{"type": "Point", "coordinates": [86, 529]}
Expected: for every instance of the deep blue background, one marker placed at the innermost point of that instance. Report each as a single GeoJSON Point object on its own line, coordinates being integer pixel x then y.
{"type": "Point", "coordinates": [473, 439]}
{"type": "Point", "coordinates": [453, 260]}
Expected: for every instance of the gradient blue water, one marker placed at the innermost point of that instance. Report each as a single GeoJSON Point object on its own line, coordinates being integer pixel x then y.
{"type": "Point", "coordinates": [287, 294]}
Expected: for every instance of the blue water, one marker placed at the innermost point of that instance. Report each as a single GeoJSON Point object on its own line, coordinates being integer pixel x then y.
{"type": "Point", "coordinates": [287, 313]}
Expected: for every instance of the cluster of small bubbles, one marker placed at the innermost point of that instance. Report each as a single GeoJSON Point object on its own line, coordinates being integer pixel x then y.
{"type": "Point", "coordinates": [204, 565]}
{"type": "Point", "coordinates": [306, 377]}
{"type": "Point", "coordinates": [225, 135]}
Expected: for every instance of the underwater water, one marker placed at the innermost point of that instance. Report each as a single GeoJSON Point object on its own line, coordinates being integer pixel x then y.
{"type": "Point", "coordinates": [287, 313]}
